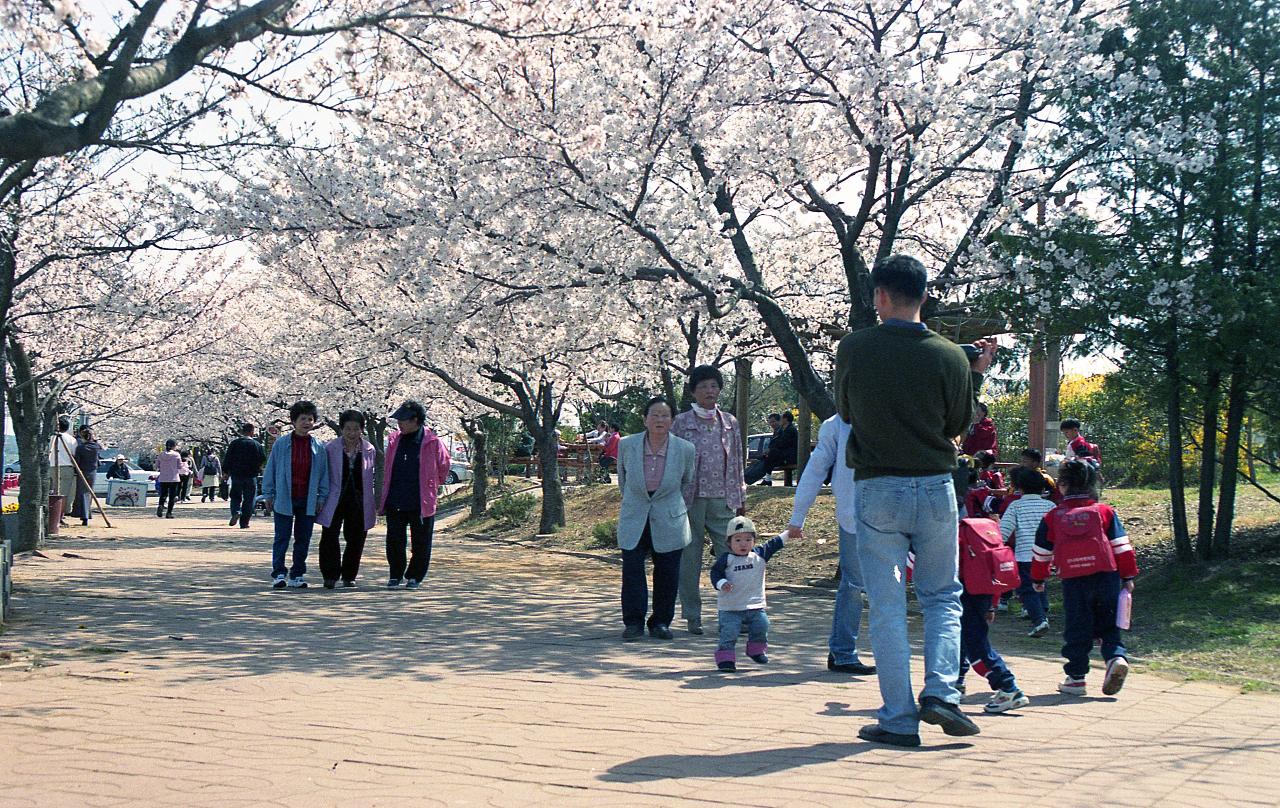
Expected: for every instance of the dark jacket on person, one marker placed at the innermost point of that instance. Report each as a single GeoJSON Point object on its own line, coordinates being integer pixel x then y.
{"type": "Point", "coordinates": [782, 448]}
{"type": "Point", "coordinates": [118, 471]}
{"type": "Point", "coordinates": [87, 455]}
{"type": "Point", "coordinates": [244, 458]}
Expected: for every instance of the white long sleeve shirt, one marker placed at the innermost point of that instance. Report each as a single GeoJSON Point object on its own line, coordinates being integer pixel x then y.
{"type": "Point", "coordinates": [828, 456]}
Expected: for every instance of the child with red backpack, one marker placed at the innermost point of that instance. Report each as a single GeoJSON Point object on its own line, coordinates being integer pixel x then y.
{"type": "Point", "coordinates": [987, 570]}
{"type": "Point", "coordinates": [1084, 539]}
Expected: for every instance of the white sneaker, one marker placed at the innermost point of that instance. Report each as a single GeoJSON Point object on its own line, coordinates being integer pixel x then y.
{"type": "Point", "coordinates": [1072, 686]}
{"type": "Point", "coordinates": [278, 582]}
{"type": "Point", "coordinates": [1007, 700]}
{"type": "Point", "coordinates": [297, 583]}
{"type": "Point", "coordinates": [1040, 630]}
{"type": "Point", "coordinates": [1117, 670]}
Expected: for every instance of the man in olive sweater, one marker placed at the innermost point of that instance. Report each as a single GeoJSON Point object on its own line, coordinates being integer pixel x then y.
{"type": "Point", "coordinates": [907, 393]}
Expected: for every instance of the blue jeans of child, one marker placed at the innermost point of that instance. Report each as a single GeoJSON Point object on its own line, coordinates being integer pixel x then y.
{"type": "Point", "coordinates": [896, 514]}
{"type": "Point", "coordinates": [1036, 603]}
{"type": "Point", "coordinates": [848, 610]}
{"type": "Point", "coordinates": [975, 644]}
{"type": "Point", "coordinates": [298, 527]}
{"type": "Point", "coordinates": [757, 623]}
{"type": "Point", "coordinates": [1089, 610]}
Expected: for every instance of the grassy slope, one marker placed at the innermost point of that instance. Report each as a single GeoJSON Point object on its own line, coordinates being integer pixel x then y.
{"type": "Point", "coordinates": [1216, 621]}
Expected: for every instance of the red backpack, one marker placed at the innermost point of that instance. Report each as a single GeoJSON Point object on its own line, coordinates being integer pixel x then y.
{"type": "Point", "coordinates": [1080, 543]}
{"type": "Point", "coordinates": [987, 564]}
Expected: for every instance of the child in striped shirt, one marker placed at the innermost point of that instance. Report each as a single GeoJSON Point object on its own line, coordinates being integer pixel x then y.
{"type": "Point", "coordinates": [1018, 526]}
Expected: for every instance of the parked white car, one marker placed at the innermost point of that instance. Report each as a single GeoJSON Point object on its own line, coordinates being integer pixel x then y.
{"type": "Point", "coordinates": [458, 472]}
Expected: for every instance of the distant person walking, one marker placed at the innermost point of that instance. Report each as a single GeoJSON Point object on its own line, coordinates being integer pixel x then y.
{"type": "Point", "coordinates": [415, 466]}
{"type": "Point", "coordinates": [908, 393]}
{"type": "Point", "coordinates": [717, 492]}
{"type": "Point", "coordinates": [186, 471]}
{"type": "Point", "coordinates": [210, 471]}
{"type": "Point", "coordinates": [654, 466]}
{"type": "Point", "coordinates": [349, 510]}
{"type": "Point", "coordinates": [88, 453]}
{"type": "Point", "coordinates": [242, 463]}
{"type": "Point", "coordinates": [169, 478]}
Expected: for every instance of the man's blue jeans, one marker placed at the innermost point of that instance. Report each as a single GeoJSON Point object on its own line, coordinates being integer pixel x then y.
{"type": "Point", "coordinates": [897, 514]}
{"type": "Point", "coordinates": [298, 527]}
{"type": "Point", "coordinates": [848, 610]}
{"type": "Point", "coordinates": [243, 492]}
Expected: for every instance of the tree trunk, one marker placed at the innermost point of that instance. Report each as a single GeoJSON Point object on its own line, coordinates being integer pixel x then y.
{"type": "Point", "coordinates": [1237, 399]}
{"type": "Point", "coordinates": [742, 397]}
{"type": "Point", "coordinates": [33, 419]}
{"type": "Point", "coordinates": [552, 494]}
{"type": "Point", "coordinates": [376, 431]}
{"type": "Point", "coordinates": [479, 471]}
{"type": "Point", "coordinates": [1177, 477]}
{"type": "Point", "coordinates": [1208, 465]}
{"type": "Point", "coordinates": [1248, 444]}
{"type": "Point", "coordinates": [669, 389]}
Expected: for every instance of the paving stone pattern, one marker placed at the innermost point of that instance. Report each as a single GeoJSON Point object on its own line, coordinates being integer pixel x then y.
{"type": "Point", "coordinates": [168, 673]}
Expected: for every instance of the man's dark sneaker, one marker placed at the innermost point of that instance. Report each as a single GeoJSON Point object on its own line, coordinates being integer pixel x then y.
{"type": "Point", "coordinates": [632, 633]}
{"type": "Point", "coordinates": [855, 668]}
{"type": "Point", "coordinates": [934, 710]}
{"type": "Point", "coordinates": [330, 583]}
{"type": "Point", "coordinates": [411, 584]}
{"type": "Point", "coordinates": [234, 518]}
{"type": "Point", "coordinates": [873, 733]}
{"type": "Point", "coordinates": [659, 631]}
{"type": "Point", "coordinates": [761, 659]}
{"type": "Point", "coordinates": [695, 626]}
{"type": "Point", "coordinates": [393, 583]}
{"type": "Point", "coordinates": [727, 666]}
{"type": "Point", "coordinates": [349, 584]}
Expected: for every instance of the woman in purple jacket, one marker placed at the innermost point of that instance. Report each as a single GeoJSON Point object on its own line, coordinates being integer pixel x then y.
{"type": "Point", "coordinates": [351, 509]}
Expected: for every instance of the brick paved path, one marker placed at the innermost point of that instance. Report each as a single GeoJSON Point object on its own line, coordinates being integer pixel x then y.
{"type": "Point", "coordinates": [170, 675]}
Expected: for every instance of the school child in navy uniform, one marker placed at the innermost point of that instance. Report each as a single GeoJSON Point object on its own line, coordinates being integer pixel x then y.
{"type": "Point", "coordinates": [738, 578]}
{"type": "Point", "coordinates": [1084, 539]}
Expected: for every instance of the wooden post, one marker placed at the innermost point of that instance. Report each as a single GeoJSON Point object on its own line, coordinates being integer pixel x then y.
{"type": "Point", "coordinates": [742, 397]}
{"type": "Point", "coordinates": [804, 427]}
{"type": "Point", "coordinates": [1052, 391]}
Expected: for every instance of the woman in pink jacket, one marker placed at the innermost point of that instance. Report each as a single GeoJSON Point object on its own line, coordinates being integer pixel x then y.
{"type": "Point", "coordinates": [415, 466]}
{"type": "Point", "coordinates": [351, 509]}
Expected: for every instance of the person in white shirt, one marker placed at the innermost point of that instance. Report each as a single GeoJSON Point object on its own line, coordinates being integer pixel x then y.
{"type": "Point", "coordinates": [827, 460]}
{"type": "Point", "coordinates": [62, 454]}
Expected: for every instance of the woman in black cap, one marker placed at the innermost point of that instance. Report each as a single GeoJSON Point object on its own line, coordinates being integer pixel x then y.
{"type": "Point", "coordinates": [415, 467]}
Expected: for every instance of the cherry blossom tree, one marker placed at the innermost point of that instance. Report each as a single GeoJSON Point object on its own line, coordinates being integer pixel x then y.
{"type": "Point", "coordinates": [758, 155]}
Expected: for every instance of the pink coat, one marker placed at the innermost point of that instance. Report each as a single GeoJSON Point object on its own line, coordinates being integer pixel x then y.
{"type": "Point", "coordinates": [433, 468]}
{"type": "Point", "coordinates": [368, 459]}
